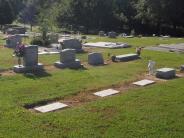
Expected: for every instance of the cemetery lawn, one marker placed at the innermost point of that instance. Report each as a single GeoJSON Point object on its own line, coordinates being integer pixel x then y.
{"type": "Point", "coordinates": [153, 111]}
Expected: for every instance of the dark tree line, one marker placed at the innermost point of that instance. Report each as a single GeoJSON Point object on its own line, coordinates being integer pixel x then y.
{"type": "Point", "coordinates": [139, 16]}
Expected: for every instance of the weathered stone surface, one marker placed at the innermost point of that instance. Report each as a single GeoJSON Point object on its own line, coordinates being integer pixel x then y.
{"type": "Point", "coordinates": [166, 73]}
{"type": "Point", "coordinates": [95, 59]}
{"type": "Point", "coordinates": [68, 60]}
{"type": "Point", "coordinates": [50, 107]}
{"type": "Point", "coordinates": [72, 44]}
{"type": "Point", "coordinates": [112, 35]}
{"type": "Point", "coordinates": [107, 92]}
{"type": "Point", "coordinates": [11, 41]}
{"type": "Point", "coordinates": [127, 57]}
{"type": "Point", "coordinates": [144, 82]}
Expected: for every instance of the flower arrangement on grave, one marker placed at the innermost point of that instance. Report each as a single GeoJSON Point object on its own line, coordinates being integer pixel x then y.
{"type": "Point", "coordinates": [19, 52]}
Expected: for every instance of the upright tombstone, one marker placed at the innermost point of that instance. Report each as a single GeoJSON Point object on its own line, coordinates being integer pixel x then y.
{"type": "Point", "coordinates": [151, 67]}
{"type": "Point", "coordinates": [112, 35]}
{"type": "Point", "coordinates": [30, 60]}
{"type": "Point", "coordinates": [72, 44]}
{"type": "Point", "coordinates": [68, 59]}
{"type": "Point", "coordinates": [95, 59]}
{"type": "Point", "coordinates": [11, 41]}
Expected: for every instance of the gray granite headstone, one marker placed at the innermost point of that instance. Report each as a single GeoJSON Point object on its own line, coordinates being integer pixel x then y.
{"type": "Point", "coordinates": [12, 41]}
{"type": "Point", "coordinates": [68, 59]}
{"type": "Point", "coordinates": [72, 44]}
{"type": "Point", "coordinates": [166, 73]}
{"type": "Point", "coordinates": [30, 60]}
{"type": "Point", "coordinates": [95, 59]}
{"type": "Point", "coordinates": [30, 56]}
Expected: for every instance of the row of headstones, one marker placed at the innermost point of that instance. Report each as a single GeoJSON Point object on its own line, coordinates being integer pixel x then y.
{"type": "Point", "coordinates": [67, 60]}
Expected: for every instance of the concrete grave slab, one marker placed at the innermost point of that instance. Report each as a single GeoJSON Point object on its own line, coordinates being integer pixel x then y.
{"type": "Point", "coordinates": [106, 45]}
{"type": "Point", "coordinates": [50, 107]}
{"type": "Point", "coordinates": [168, 48]}
{"type": "Point", "coordinates": [144, 82]}
{"type": "Point", "coordinates": [107, 92]}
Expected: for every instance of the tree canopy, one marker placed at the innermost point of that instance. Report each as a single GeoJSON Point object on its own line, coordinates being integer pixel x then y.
{"type": "Point", "coordinates": [142, 16]}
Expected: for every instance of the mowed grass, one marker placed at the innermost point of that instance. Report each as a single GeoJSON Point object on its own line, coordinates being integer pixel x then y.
{"type": "Point", "coordinates": [153, 111]}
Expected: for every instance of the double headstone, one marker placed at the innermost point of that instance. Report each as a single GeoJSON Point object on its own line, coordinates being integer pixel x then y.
{"type": "Point", "coordinates": [112, 35]}
{"type": "Point", "coordinates": [11, 41]}
{"type": "Point", "coordinates": [95, 59]}
{"type": "Point", "coordinates": [30, 61]}
{"type": "Point", "coordinates": [68, 59]}
{"type": "Point", "coordinates": [72, 44]}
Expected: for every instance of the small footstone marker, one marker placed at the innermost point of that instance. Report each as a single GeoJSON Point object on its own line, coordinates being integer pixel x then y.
{"type": "Point", "coordinates": [144, 82]}
{"type": "Point", "coordinates": [50, 107]}
{"type": "Point", "coordinates": [105, 93]}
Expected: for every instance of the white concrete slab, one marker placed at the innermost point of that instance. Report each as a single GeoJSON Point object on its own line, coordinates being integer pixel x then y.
{"type": "Point", "coordinates": [144, 82]}
{"type": "Point", "coordinates": [50, 107]}
{"type": "Point", "coordinates": [106, 45]}
{"type": "Point", "coordinates": [105, 93]}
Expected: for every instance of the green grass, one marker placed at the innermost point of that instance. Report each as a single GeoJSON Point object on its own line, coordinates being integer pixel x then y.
{"type": "Point", "coordinates": [153, 111]}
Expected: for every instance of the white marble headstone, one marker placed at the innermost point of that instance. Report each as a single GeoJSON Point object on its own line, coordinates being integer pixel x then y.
{"type": "Point", "coordinates": [144, 82]}
{"type": "Point", "coordinates": [50, 107]}
{"type": "Point", "coordinates": [107, 92]}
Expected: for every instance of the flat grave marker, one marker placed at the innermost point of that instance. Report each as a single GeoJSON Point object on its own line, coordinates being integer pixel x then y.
{"type": "Point", "coordinates": [107, 92]}
{"type": "Point", "coordinates": [50, 107]}
{"type": "Point", "coordinates": [144, 82]}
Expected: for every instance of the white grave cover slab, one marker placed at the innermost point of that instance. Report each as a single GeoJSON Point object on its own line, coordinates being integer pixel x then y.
{"type": "Point", "coordinates": [144, 82]}
{"type": "Point", "coordinates": [105, 93]}
{"type": "Point", "coordinates": [50, 107]}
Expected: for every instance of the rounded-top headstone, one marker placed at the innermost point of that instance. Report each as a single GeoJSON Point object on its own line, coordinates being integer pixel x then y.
{"type": "Point", "coordinates": [95, 59]}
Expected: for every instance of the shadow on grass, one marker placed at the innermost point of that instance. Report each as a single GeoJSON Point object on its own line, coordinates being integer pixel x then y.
{"type": "Point", "coordinates": [37, 74]}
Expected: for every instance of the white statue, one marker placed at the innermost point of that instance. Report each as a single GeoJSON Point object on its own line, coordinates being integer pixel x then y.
{"type": "Point", "coordinates": [151, 67]}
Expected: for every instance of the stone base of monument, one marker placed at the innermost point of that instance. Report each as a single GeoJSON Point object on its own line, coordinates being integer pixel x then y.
{"type": "Point", "coordinates": [72, 65]}
{"type": "Point", "coordinates": [127, 57]}
{"type": "Point", "coordinates": [166, 73]}
{"type": "Point", "coordinates": [24, 69]}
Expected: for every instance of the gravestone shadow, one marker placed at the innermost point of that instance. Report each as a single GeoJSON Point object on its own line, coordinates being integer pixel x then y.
{"type": "Point", "coordinates": [37, 74]}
